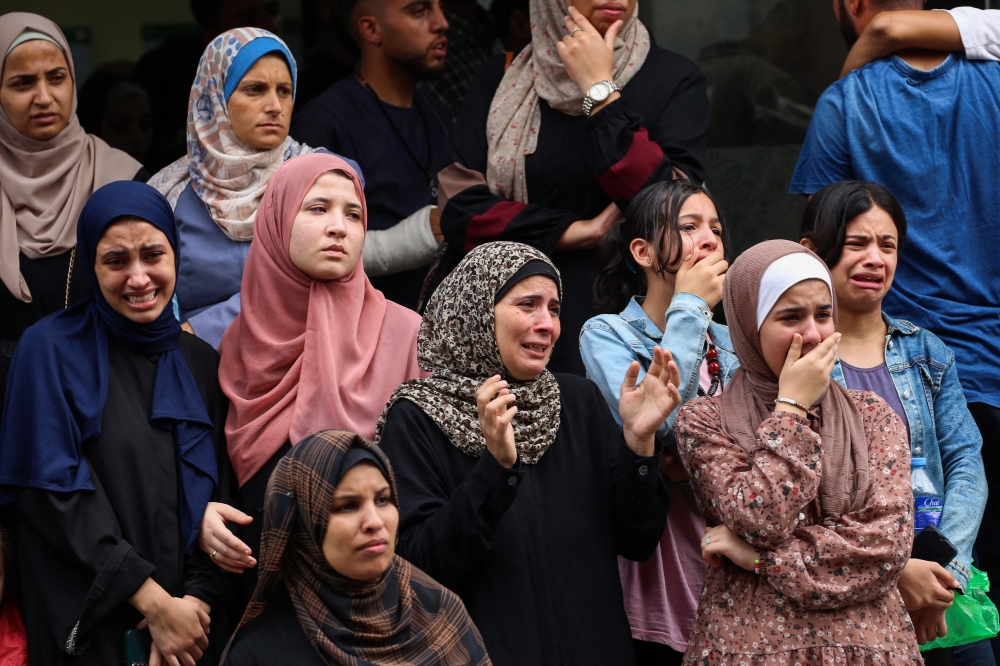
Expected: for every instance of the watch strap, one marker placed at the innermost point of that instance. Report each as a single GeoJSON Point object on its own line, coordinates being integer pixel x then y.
{"type": "Point", "coordinates": [588, 101]}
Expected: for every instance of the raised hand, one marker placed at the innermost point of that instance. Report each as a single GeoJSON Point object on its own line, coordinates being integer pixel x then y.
{"type": "Point", "coordinates": [588, 57]}
{"type": "Point", "coordinates": [644, 407]}
{"type": "Point", "coordinates": [495, 406]}
{"type": "Point", "coordinates": [219, 543]}
{"type": "Point", "coordinates": [805, 378]}
{"type": "Point", "coordinates": [703, 279]}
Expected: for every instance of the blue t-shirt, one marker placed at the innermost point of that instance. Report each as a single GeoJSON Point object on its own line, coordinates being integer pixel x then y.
{"type": "Point", "coordinates": [932, 138]}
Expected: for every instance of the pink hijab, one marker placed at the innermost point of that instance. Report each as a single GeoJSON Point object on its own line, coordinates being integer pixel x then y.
{"type": "Point", "coordinates": [306, 355]}
{"type": "Point", "coordinates": [44, 184]}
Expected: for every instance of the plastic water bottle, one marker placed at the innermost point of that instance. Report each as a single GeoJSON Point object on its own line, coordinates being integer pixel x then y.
{"type": "Point", "coordinates": [927, 499]}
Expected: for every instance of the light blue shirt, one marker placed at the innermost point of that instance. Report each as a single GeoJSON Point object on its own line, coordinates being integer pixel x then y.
{"type": "Point", "coordinates": [609, 344]}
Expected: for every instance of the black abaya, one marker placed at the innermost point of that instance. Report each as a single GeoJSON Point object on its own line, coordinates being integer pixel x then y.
{"type": "Point", "coordinates": [532, 550]}
{"type": "Point", "coordinates": [83, 554]}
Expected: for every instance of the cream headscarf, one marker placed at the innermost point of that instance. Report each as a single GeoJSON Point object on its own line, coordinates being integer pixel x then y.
{"type": "Point", "coordinates": [44, 184]}
{"type": "Point", "coordinates": [539, 73]}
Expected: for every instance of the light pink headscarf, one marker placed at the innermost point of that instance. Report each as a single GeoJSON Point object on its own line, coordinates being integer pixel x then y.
{"type": "Point", "coordinates": [305, 355]}
{"type": "Point", "coordinates": [44, 184]}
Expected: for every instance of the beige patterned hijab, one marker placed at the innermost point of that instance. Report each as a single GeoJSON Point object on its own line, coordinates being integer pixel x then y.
{"type": "Point", "coordinates": [538, 73]}
{"type": "Point", "coordinates": [44, 184]}
{"type": "Point", "coordinates": [458, 346]}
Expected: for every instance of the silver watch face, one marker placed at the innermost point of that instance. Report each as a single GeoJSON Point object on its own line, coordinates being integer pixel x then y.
{"type": "Point", "coordinates": [599, 91]}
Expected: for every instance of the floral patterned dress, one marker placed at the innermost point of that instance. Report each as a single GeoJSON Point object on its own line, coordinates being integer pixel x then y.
{"type": "Point", "coordinates": [824, 595]}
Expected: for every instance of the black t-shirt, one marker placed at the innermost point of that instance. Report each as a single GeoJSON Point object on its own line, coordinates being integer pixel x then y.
{"type": "Point", "coordinates": [398, 149]}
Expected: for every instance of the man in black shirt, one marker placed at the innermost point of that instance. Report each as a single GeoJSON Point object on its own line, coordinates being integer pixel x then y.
{"type": "Point", "coordinates": [397, 134]}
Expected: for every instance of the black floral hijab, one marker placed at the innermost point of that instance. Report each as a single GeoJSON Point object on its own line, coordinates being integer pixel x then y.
{"type": "Point", "coordinates": [458, 345]}
{"type": "Point", "coordinates": [402, 618]}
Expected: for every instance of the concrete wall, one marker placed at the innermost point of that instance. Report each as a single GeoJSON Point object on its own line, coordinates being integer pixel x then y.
{"type": "Point", "coordinates": [685, 26]}
{"type": "Point", "coordinates": [116, 26]}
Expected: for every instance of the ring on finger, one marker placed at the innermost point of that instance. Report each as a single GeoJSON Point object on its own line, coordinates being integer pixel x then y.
{"type": "Point", "coordinates": [212, 556]}
{"type": "Point", "coordinates": [708, 540]}
{"type": "Point", "coordinates": [574, 31]}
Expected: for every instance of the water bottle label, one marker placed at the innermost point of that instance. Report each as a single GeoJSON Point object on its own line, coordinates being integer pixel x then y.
{"type": "Point", "coordinates": [928, 512]}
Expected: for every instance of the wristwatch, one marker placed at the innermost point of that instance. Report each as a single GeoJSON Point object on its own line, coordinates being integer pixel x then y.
{"type": "Point", "coordinates": [597, 93]}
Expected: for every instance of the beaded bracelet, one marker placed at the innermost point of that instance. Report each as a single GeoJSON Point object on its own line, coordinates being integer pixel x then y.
{"type": "Point", "coordinates": [793, 403]}
{"type": "Point", "coordinates": [756, 563]}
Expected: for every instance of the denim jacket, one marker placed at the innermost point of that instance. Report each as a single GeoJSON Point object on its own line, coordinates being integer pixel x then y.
{"type": "Point", "coordinates": [609, 344]}
{"type": "Point", "coordinates": [941, 429]}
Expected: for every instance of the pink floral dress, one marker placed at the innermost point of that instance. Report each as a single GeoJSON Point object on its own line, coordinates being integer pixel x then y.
{"type": "Point", "coordinates": [824, 595]}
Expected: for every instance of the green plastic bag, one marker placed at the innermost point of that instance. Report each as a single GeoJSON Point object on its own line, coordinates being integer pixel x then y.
{"type": "Point", "coordinates": [972, 617]}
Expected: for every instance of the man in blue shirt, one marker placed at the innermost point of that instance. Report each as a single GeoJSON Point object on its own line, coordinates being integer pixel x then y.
{"type": "Point", "coordinates": [926, 124]}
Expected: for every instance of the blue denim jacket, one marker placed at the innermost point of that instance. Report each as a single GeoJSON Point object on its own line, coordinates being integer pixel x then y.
{"type": "Point", "coordinates": [941, 430]}
{"type": "Point", "coordinates": [609, 344]}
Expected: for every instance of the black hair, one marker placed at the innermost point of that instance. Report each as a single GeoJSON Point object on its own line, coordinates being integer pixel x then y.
{"type": "Point", "coordinates": [93, 95]}
{"type": "Point", "coordinates": [830, 210]}
{"type": "Point", "coordinates": [206, 13]}
{"type": "Point", "coordinates": [500, 11]}
{"type": "Point", "coordinates": [652, 216]}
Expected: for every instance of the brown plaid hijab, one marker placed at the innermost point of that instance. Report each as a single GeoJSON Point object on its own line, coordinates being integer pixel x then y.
{"type": "Point", "coordinates": [402, 618]}
{"type": "Point", "coordinates": [457, 344]}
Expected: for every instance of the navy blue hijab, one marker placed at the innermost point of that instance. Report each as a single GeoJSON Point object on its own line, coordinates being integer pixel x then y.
{"type": "Point", "coordinates": [58, 381]}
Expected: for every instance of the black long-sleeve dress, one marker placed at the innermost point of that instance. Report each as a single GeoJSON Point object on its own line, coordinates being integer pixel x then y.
{"type": "Point", "coordinates": [532, 550]}
{"type": "Point", "coordinates": [81, 555]}
{"type": "Point", "coordinates": [580, 165]}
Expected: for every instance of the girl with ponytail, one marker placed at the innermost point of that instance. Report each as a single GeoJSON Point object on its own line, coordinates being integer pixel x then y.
{"type": "Point", "coordinates": [661, 274]}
